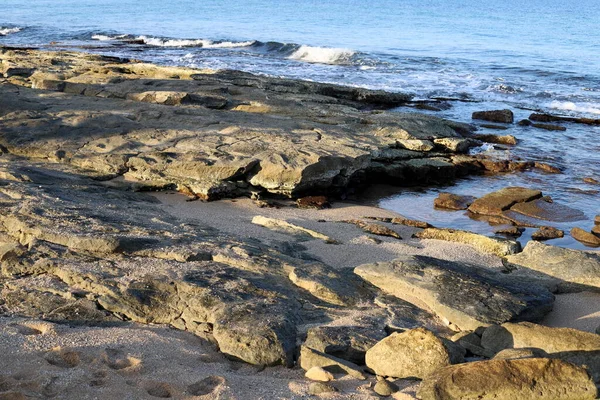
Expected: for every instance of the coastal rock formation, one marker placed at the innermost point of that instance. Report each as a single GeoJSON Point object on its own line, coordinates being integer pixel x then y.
{"type": "Point", "coordinates": [439, 286]}
{"type": "Point", "coordinates": [528, 378]}
{"type": "Point", "coordinates": [571, 270]}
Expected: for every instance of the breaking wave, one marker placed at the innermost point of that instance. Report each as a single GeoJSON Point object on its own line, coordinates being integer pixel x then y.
{"type": "Point", "coordinates": [168, 42]}
{"type": "Point", "coordinates": [7, 31]}
{"type": "Point", "coordinates": [322, 55]}
{"type": "Point", "coordinates": [588, 108]}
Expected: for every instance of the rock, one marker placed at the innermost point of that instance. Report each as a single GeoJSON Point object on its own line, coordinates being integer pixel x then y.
{"type": "Point", "coordinates": [527, 379]}
{"type": "Point", "coordinates": [319, 388]}
{"type": "Point", "coordinates": [310, 358]}
{"type": "Point", "coordinates": [525, 122]}
{"type": "Point", "coordinates": [319, 374]}
{"type": "Point", "coordinates": [587, 238]}
{"type": "Point", "coordinates": [528, 352]}
{"type": "Point", "coordinates": [503, 116]}
{"type": "Point", "coordinates": [385, 388]}
{"type": "Point", "coordinates": [375, 229]}
{"type": "Point", "coordinates": [346, 342]}
{"type": "Point", "coordinates": [591, 181]}
{"type": "Point", "coordinates": [513, 231]}
{"type": "Point", "coordinates": [555, 118]}
{"type": "Point", "coordinates": [438, 286]}
{"type": "Point", "coordinates": [550, 340]}
{"type": "Point", "coordinates": [549, 127]}
{"type": "Point", "coordinates": [571, 269]}
{"type": "Point", "coordinates": [471, 341]}
{"type": "Point", "coordinates": [597, 220]}
{"type": "Point", "coordinates": [547, 168]}
{"type": "Point", "coordinates": [506, 139]}
{"type": "Point", "coordinates": [410, 222]}
{"type": "Point", "coordinates": [596, 230]}
{"type": "Point", "coordinates": [548, 210]}
{"type": "Point", "coordinates": [284, 226]}
{"type": "Point", "coordinates": [452, 201]}
{"type": "Point", "coordinates": [412, 354]}
{"type": "Point", "coordinates": [456, 145]}
{"type": "Point", "coordinates": [497, 246]}
{"type": "Point", "coordinates": [496, 202]}
{"type": "Point", "coordinates": [547, 233]}
{"type": "Point", "coordinates": [317, 202]}
{"type": "Point", "coordinates": [416, 144]}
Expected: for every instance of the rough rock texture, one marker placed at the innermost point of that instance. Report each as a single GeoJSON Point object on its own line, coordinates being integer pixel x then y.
{"type": "Point", "coordinates": [440, 286]}
{"type": "Point", "coordinates": [485, 244]}
{"type": "Point", "coordinates": [571, 270]}
{"type": "Point", "coordinates": [218, 134]}
{"type": "Point", "coordinates": [452, 201]}
{"type": "Point", "coordinates": [547, 233]}
{"type": "Point", "coordinates": [496, 202]}
{"type": "Point", "coordinates": [415, 353]}
{"type": "Point", "coordinates": [504, 116]}
{"type": "Point", "coordinates": [526, 379]}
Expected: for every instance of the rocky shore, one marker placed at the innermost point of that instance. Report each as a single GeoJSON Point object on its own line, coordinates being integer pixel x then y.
{"type": "Point", "coordinates": [114, 284]}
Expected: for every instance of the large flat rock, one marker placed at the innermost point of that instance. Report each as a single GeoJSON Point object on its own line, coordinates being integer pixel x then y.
{"type": "Point", "coordinates": [463, 295]}
{"type": "Point", "coordinates": [496, 202]}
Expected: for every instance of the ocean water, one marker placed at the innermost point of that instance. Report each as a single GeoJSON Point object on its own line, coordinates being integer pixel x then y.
{"type": "Point", "coordinates": [536, 55]}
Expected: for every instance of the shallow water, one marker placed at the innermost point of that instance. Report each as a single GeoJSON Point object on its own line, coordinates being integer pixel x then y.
{"type": "Point", "coordinates": [541, 54]}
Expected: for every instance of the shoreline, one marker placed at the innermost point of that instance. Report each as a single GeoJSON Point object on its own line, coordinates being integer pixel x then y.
{"type": "Point", "coordinates": [95, 264]}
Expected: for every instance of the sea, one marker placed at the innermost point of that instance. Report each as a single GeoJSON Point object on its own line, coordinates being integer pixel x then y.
{"type": "Point", "coordinates": [529, 56]}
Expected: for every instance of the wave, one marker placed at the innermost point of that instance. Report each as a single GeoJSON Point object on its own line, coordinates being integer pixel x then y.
{"type": "Point", "coordinates": [589, 108]}
{"type": "Point", "coordinates": [7, 31]}
{"type": "Point", "coordinates": [169, 42]}
{"type": "Point", "coordinates": [105, 38]}
{"type": "Point", "coordinates": [322, 55]}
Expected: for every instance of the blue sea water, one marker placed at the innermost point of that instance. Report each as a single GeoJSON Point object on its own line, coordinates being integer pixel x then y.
{"type": "Point", "coordinates": [540, 54]}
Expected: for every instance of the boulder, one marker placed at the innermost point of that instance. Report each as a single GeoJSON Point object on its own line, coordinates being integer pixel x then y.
{"type": "Point", "coordinates": [572, 270]}
{"type": "Point", "coordinates": [523, 379]}
{"type": "Point", "coordinates": [496, 202]}
{"type": "Point", "coordinates": [587, 238]}
{"type": "Point", "coordinates": [415, 353]}
{"type": "Point", "coordinates": [503, 116]}
{"type": "Point", "coordinates": [506, 139]}
{"type": "Point", "coordinates": [440, 286]}
{"type": "Point", "coordinates": [452, 201]}
{"type": "Point", "coordinates": [319, 374]}
{"type": "Point", "coordinates": [384, 388]}
{"type": "Point", "coordinates": [485, 244]}
{"type": "Point", "coordinates": [550, 340]}
{"type": "Point", "coordinates": [310, 358]}
{"type": "Point", "coordinates": [512, 231]}
{"type": "Point", "coordinates": [547, 233]}
{"type": "Point", "coordinates": [346, 342]}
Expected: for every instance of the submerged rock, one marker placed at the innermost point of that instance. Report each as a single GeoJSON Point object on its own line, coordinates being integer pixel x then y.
{"type": "Point", "coordinates": [438, 286]}
{"type": "Point", "coordinates": [452, 201]}
{"type": "Point", "coordinates": [504, 116]}
{"type": "Point", "coordinates": [587, 238]}
{"type": "Point", "coordinates": [496, 202]}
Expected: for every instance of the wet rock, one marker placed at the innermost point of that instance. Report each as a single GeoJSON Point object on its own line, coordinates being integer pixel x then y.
{"type": "Point", "coordinates": [591, 181]}
{"type": "Point", "coordinates": [346, 342]}
{"type": "Point", "coordinates": [555, 118]}
{"type": "Point", "coordinates": [319, 374]}
{"type": "Point", "coordinates": [496, 202]}
{"type": "Point", "coordinates": [587, 238]}
{"type": "Point", "coordinates": [547, 233]}
{"type": "Point", "coordinates": [548, 210]}
{"type": "Point", "coordinates": [528, 378]}
{"type": "Point", "coordinates": [375, 229]}
{"type": "Point", "coordinates": [497, 246]}
{"type": "Point", "coordinates": [452, 201]}
{"type": "Point", "coordinates": [513, 231]}
{"type": "Point", "coordinates": [597, 220]}
{"type": "Point", "coordinates": [571, 270]}
{"type": "Point", "coordinates": [547, 168]}
{"type": "Point", "coordinates": [412, 354]}
{"type": "Point", "coordinates": [503, 116]}
{"type": "Point", "coordinates": [525, 122]}
{"type": "Point", "coordinates": [438, 286]}
{"type": "Point", "coordinates": [506, 139]}
{"type": "Point", "coordinates": [456, 145]}
{"type": "Point", "coordinates": [317, 202]}
{"type": "Point", "coordinates": [384, 388]}
{"type": "Point", "coordinates": [310, 358]}
{"type": "Point", "coordinates": [549, 127]}
{"type": "Point", "coordinates": [319, 388]}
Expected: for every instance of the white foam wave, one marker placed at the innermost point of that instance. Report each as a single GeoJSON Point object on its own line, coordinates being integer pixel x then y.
{"type": "Point", "coordinates": [581, 107]}
{"type": "Point", "coordinates": [106, 38]}
{"type": "Point", "coordinates": [8, 31]}
{"type": "Point", "coordinates": [484, 148]}
{"type": "Point", "coordinates": [322, 55]}
{"type": "Point", "coordinates": [205, 43]}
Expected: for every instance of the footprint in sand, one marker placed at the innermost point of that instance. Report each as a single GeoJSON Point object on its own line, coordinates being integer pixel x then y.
{"type": "Point", "coordinates": [206, 386]}
{"type": "Point", "coordinates": [116, 359]}
{"type": "Point", "coordinates": [63, 358]}
{"type": "Point", "coordinates": [159, 389]}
